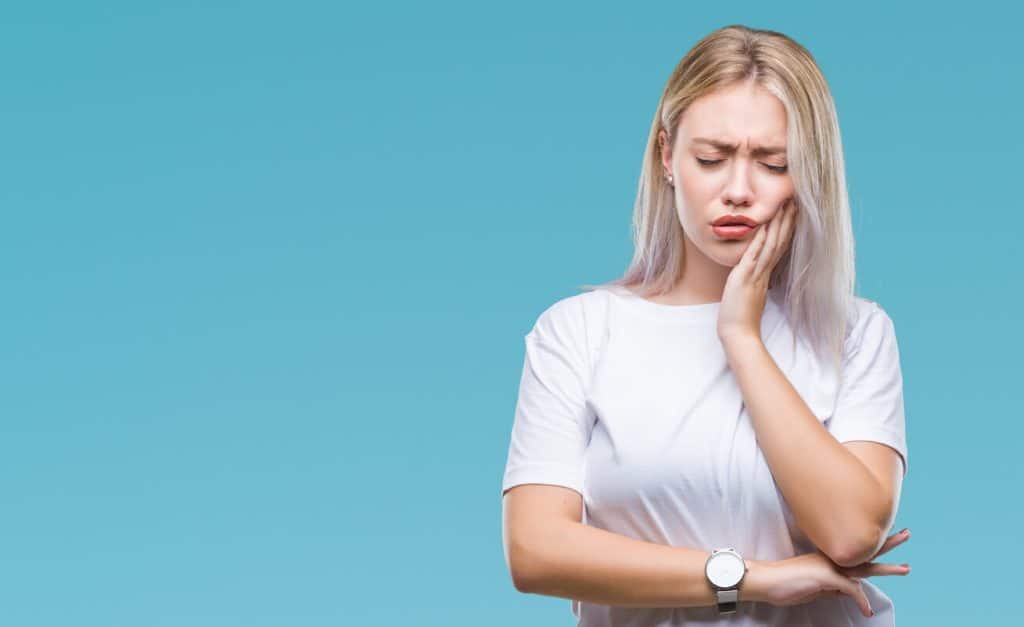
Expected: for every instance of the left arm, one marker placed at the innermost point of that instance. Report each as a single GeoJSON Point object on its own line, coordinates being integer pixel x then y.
{"type": "Point", "coordinates": [843, 496]}
{"type": "Point", "coordinates": [842, 505]}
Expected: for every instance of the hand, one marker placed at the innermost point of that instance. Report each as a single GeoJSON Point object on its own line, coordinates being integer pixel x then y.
{"type": "Point", "coordinates": [803, 578]}
{"type": "Point", "coordinates": [746, 288]}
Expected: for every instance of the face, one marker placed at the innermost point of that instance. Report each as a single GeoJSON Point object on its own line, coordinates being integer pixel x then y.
{"type": "Point", "coordinates": [722, 163]}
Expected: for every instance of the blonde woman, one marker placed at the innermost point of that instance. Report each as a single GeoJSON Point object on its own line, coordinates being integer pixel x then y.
{"type": "Point", "coordinates": [718, 436]}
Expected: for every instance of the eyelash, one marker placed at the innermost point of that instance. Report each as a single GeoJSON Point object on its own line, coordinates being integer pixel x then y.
{"type": "Point", "coordinates": [778, 169]}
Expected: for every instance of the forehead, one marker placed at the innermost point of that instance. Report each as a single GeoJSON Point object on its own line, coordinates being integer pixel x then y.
{"type": "Point", "coordinates": [746, 114]}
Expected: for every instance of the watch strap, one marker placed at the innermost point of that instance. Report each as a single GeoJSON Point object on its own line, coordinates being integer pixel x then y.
{"type": "Point", "coordinates": [727, 600]}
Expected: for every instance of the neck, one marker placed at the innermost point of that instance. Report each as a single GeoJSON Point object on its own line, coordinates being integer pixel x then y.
{"type": "Point", "coordinates": [702, 280]}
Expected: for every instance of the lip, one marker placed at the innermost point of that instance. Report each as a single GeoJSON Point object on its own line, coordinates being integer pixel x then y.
{"type": "Point", "coordinates": [732, 219]}
{"type": "Point", "coordinates": [732, 231]}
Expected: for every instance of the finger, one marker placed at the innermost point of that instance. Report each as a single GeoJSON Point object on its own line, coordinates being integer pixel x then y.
{"type": "Point", "coordinates": [893, 541]}
{"type": "Point", "coordinates": [853, 588]}
{"type": "Point", "coordinates": [784, 235]}
{"type": "Point", "coordinates": [786, 232]}
{"type": "Point", "coordinates": [790, 227]}
{"type": "Point", "coordinates": [749, 259]}
{"type": "Point", "coordinates": [767, 257]}
{"type": "Point", "coordinates": [872, 569]}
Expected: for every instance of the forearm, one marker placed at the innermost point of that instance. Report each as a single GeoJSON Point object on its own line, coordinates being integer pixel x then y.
{"type": "Point", "coordinates": [577, 561]}
{"type": "Point", "coordinates": [834, 497]}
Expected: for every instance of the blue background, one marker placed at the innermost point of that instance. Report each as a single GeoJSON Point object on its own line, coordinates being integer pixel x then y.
{"type": "Point", "coordinates": [267, 268]}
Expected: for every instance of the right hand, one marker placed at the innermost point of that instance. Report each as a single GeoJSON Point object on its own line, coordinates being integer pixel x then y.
{"type": "Point", "coordinates": [804, 577]}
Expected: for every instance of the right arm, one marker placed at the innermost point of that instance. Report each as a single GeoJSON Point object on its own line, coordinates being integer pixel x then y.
{"type": "Point", "coordinates": [549, 551]}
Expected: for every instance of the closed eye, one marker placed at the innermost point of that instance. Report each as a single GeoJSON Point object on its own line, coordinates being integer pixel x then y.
{"type": "Point", "coordinates": [709, 163]}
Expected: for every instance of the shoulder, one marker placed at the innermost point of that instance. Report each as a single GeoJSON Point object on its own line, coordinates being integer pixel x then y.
{"type": "Point", "coordinates": [572, 317]}
{"type": "Point", "coordinates": [575, 326]}
{"type": "Point", "coordinates": [870, 324]}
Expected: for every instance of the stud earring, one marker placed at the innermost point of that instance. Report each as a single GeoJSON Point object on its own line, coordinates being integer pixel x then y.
{"type": "Point", "coordinates": [668, 177]}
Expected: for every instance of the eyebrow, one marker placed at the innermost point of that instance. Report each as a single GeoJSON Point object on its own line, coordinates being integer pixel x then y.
{"type": "Point", "coordinates": [727, 147]}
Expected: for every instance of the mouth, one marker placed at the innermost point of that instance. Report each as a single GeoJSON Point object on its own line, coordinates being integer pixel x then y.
{"type": "Point", "coordinates": [732, 231]}
{"type": "Point", "coordinates": [734, 220]}
{"type": "Point", "coordinates": [733, 226]}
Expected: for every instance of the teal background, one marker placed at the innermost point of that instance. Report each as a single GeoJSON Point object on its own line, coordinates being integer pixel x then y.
{"type": "Point", "coordinates": [267, 268]}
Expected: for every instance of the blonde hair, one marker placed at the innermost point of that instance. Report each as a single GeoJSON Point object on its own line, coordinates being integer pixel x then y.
{"type": "Point", "coordinates": [817, 271]}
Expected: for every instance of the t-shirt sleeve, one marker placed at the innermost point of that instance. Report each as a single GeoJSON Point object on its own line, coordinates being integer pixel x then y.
{"type": "Point", "coordinates": [869, 402]}
{"type": "Point", "coordinates": [553, 419]}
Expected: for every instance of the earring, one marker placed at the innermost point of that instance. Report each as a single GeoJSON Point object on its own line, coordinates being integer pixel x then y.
{"type": "Point", "coordinates": [668, 177]}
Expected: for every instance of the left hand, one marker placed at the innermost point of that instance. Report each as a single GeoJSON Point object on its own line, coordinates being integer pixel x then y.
{"type": "Point", "coordinates": [746, 288]}
{"type": "Point", "coordinates": [803, 578]}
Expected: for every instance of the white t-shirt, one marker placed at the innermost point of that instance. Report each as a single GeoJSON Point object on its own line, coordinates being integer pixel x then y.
{"type": "Point", "coordinates": [632, 404]}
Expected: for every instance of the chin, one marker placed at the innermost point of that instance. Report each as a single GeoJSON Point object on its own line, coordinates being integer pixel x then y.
{"type": "Point", "coordinates": [728, 261]}
{"type": "Point", "coordinates": [729, 257]}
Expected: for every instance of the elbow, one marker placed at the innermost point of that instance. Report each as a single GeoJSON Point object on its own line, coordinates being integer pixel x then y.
{"type": "Point", "coordinates": [522, 576]}
{"type": "Point", "coordinates": [857, 550]}
{"type": "Point", "coordinates": [523, 567]}
{"type": "Point", "coordinates": [861, 543]}
{"type": "Point", "coordinates": [534, 536]}
{"type": "Point", "coordinates": [533, 563]}
{"type": "Point", "coordinates": [522, 583]}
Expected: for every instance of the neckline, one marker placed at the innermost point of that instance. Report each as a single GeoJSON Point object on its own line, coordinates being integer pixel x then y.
{"type": "Point", "coordinates": [699, 313]}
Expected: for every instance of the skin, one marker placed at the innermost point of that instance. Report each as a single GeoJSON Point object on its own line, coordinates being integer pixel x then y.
{"type": "Point", "coordinates": [805, 577]}
{"type": "Point", "coordinates": [848, 501]}
{"type": "Point", "coordinates": [550, 551]}
{"type": "Point", "coordinates": [746, 116]}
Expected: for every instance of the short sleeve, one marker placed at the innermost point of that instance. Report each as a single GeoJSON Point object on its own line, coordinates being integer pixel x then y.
{"type": "Point", "coordinates": [553, 419]}
{"type": "Point", "coordinates": [869, 401]}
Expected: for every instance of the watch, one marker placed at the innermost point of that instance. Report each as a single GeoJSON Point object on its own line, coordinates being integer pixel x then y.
{"type": "Point", "coordinates": [725, 570]}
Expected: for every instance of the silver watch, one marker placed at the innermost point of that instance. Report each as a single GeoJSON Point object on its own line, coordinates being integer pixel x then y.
{"type": "Point", "coordinates": [725, 570]}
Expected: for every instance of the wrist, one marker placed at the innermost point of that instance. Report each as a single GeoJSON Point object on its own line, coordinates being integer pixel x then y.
{"type": "Point", "coordinates": [739, 343]}
{"type": "Point", "coordinates": [740, 349]}
{"type": "Point", "coordinates": [755, 584]}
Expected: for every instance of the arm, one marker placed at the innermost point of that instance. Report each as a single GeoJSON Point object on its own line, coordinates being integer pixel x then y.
{"type": "Point", "coordinates": [548, 551]}
{"type": "Point", "coordinates": [835, 498]}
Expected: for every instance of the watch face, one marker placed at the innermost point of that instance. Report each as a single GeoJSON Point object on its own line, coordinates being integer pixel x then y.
{"type": "Point", "coordinates": [725, 569]}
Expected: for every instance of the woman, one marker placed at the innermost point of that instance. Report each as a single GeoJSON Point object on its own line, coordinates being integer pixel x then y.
{"type": "Point", "coordinates": [718, 436]}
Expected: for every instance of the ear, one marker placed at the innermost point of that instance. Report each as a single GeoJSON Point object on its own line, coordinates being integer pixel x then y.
{"type": "Point", "coordinates": [666, 151]}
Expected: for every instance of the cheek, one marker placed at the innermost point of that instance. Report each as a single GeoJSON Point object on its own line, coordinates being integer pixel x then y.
{"type": "Point", "coordinates": [782, 191]}
{"type": "Point", "coordinates": [698, 190]}
{"type": "Point", "coordinates": [696, 181]}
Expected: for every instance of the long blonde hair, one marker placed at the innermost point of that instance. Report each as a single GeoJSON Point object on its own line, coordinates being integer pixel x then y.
{"type": "Point", "coordinates": [818, 271]}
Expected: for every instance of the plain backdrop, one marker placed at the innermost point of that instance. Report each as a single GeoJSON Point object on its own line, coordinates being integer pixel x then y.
{"type": "Point", "coordinates": [267, 268]}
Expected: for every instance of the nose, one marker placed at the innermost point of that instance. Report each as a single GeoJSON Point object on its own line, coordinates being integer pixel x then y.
{"type": "Point", "coordinates": [737, 189]}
